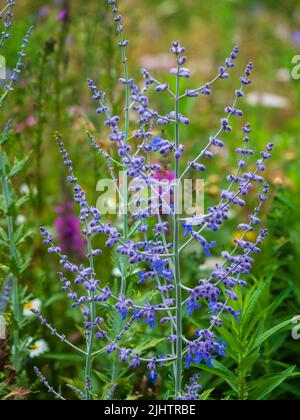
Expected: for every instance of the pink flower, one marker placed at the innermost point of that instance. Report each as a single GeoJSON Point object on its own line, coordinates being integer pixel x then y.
{"type": "Point", "coordinates": [69, 230]}
{"type": "Point", "coordinates": [62, 15]}
{"type": "Point", "coordinates": [31, 121]}
{"type": "Point", "coordinates": [164, 175]}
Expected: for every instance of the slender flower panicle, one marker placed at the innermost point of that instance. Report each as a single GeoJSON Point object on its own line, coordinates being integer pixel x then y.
{"type": "Point", "coordinates": [15, 74]}
{"type": "Point", "coordinates": [7, 15]}
{"type": "Point", "coordinates": [150, 244]}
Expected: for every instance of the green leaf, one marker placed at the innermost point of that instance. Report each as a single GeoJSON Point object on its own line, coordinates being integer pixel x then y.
{"type": "Point", "coordinates": [266, 335]}
{"type": "Point", "coordinates": [20, 236]}
{"type": "Point", "coordinates": [103, 378]}
{"type": "Point", "coordinates": [76, 386]}
{"type": "Point", "coordinates": [18, 166]}
{"type": "Point", "coordinates": [279, 299]}
{"type": "Point", "coordinates": [267, 312]}
{"type": "Point", "coordinates": [133, 397]}
{"type": "Point", "coordinates": [222, 372]}
{"type": "Point", "coordinates": [3, 235]}
{"type": "Point", "coordinates": [233, 346]}
{"type": "Point", "coordinates": [19, 203]}
{"type": "Point", "coordinates": [148, 344]}
{"type": "Point", "coordinates": [248, 362]}
{"type": "Point", "coordinates": [4, 136]}
{"type": "Point", "coordinates": [57, 297]}
{"type": "Point", "coordinates": [206, 394]}
{"type": "Point", "coordinates": [251, 301]}
{"type": "Point", "coordinates": [262, 388]}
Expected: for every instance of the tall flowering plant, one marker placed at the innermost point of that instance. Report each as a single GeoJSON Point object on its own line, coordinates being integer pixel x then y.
{"type": "Point", "coordinates": [11, 237]}
{"type": "Point", "coordinates": [153, 237]}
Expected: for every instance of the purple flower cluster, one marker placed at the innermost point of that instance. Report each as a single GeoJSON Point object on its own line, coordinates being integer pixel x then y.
{"type": "Point", "coordinates": [149, 249]}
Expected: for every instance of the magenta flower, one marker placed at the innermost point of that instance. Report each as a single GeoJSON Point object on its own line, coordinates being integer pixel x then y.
{"type": "Point", "coordinates": [68, 231]}
{"type": "Point", "coordinates": [165, 175]}
{"type": "Point", "coordinates": [62, 15]}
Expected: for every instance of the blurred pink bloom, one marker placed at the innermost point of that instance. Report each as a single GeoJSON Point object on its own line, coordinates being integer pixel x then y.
{"type": "Point", "coordinates": [31, 121]}
{"type": "Point", "coordinates": [69, 230]}
{"type": "Point", "coordinates": [62, 15]}
{"type": "Point", "coordinates": [20, 127]}
{"type": "Point", "coordinates": [161, 62]}
{"type": "Point", "coordinates": [164, 175]}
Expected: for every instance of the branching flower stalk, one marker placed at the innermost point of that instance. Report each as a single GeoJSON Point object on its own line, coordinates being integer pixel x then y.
{"type": "Point", "coordinates": [122, 45]}
{"type": "Point", "coordinates": [177, 239]}
{"type": "Point", "coordinates": [154, 235]}
{"type": "Point", "coordinates": [7, 14]}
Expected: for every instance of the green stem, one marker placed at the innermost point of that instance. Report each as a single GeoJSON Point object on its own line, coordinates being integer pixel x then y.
{"type": "Point", "coordinates": [13, 261]}
{"type": "Point", "coordinates": [17, 316]}
{"type": "Point", "coordinates": [90, 339]}
{"type": "Point", "coordinates": [39, 131]}
{"type": "Point", "coordinates": [125, 177]}
{"type": "Point", "coordinates": [242, 385]}
{"type": "Point", "coordinates": [178, 377]}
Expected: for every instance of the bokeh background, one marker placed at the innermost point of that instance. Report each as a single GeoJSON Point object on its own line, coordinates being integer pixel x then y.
{"type": "Point", "coordinates": [75, 40]}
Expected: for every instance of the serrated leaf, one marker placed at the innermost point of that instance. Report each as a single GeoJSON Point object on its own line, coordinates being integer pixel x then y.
{"type": "Point", "coordinates": [19, 203]}
{"type": "Point", "coordinates": [148, 344]}
{"type": "Point", "coordinates": [20, 236]}
{"type": "Point", "coordinates": [18, 166]}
